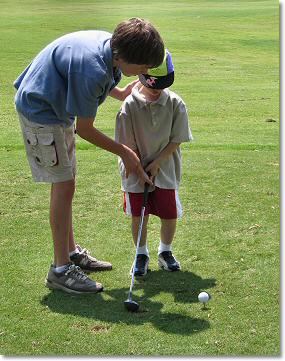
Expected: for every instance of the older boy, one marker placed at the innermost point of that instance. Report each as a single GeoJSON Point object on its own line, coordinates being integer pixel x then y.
{"type": "Point", "coordinates": [69, 79]}
{"type": "Point", "coordinates": [153, 122]}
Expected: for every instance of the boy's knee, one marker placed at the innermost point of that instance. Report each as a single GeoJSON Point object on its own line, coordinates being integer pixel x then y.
{"type": "Point", "coordinates": [65, 189]}
{"type": "Point", "coordinates": [71, 187]}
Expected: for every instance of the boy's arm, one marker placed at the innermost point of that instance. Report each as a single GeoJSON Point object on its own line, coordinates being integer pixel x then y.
{"type": "Point", "coordinates": [86, 130]}
{"type": "Point", "coordinates": [122, 93]}
{"type": "Point", "coordinates": [154, 166]}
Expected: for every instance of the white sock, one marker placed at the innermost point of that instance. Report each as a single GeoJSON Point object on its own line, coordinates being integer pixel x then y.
{"type": "Point", "coordinates": [74, 252]}
{"type": "Point", "coordinates": [61, 268]}
{"type": "Point", "coordinates": [143, 250]}
{"type": "Point", "coordinates": [163, 247]}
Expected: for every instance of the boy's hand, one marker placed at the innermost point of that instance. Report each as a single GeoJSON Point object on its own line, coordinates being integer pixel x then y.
{"type": "Point", "coordinates": [132, 164]}
{"type": "Point", "coordinates": [122, 93]}
{"type": "Point", "coordinates": [154, 166]}
{"type": "Point", "coordinates": [128, 88]}
{"type": "Point", "coordinates": [152, 169]}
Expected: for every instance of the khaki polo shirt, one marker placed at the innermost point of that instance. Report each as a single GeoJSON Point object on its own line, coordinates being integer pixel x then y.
{"type": "Point", "coordinates": [147, 128]}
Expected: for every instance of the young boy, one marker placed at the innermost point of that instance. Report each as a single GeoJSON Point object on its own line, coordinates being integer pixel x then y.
{"type": "Point", "coordinates": [153, 122]}
{"type": "Point", "coordinates": [69, 79]}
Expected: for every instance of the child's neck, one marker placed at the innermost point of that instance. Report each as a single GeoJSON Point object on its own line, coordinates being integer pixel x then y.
{"type": "Point", "coordinates": [149, 94]}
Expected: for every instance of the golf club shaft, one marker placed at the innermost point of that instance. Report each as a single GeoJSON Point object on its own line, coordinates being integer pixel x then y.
{"type": "Point", "coordinates": [139, 235]}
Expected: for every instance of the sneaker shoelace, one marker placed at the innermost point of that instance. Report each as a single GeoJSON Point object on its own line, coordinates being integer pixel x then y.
{"type": "Point", "coordinates": [168, 257]}
{"type": "Point", "coordinates": [76, 272]}
{"type": "Point", "coordinates": [85, 253]}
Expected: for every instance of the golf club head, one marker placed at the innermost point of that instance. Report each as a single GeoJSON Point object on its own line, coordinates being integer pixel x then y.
{"type": "Point", "coordinates": [131, 305]}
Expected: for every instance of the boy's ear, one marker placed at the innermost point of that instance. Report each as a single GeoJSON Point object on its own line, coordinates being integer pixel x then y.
{"type": "Point", "coordinates": [117, 58]}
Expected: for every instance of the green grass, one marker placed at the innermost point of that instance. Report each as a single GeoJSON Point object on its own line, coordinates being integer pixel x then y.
{"type": "Point", "coordinates": [227, 71]}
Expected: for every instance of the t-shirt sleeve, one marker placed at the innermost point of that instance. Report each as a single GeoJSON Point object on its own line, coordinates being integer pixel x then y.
{"type": "Point", "coordinates": [124, 132]}
{"type": "Point", "coordinates": [181, 131]}
{"type": "Point", "coordinates": [82, 95]}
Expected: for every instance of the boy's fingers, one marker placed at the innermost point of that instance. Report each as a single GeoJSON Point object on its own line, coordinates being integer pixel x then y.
{"type": "Point", "coordinates": [146, 178]}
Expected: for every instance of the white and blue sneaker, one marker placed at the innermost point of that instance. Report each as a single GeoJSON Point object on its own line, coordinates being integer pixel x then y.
{"type": "Point", "coordinates": [141, 266]}
{"type": "Point", "coordinates": [168, 262]}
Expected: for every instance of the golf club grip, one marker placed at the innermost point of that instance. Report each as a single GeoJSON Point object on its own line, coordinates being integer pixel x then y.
{"type": "Point", "coordinates": [145, 194]}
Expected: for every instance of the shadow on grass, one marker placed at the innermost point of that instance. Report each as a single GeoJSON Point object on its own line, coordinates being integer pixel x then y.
{"type": "Point", "coordinates": [108, 306]}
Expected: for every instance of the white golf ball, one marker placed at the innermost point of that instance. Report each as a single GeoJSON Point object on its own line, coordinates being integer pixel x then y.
{"type": "Point", "coordinates": [204, 297]}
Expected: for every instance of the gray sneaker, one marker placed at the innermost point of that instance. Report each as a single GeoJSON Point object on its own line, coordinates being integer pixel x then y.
{"type": "Point", "coordinates": [73, 280]}
{"type": "Point", "coordinates": [88, 263]}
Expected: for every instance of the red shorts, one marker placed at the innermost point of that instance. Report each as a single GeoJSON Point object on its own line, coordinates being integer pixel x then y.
{"type": "Point", "coordinates": [163, 203]}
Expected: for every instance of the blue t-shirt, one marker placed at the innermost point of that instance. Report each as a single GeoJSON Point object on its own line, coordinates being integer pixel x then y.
{"type": "Point", "coordinates": [70, 77]}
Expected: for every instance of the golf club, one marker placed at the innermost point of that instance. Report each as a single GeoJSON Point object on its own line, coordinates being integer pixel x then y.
{"type": "Point", "coordinates": [129, 303]}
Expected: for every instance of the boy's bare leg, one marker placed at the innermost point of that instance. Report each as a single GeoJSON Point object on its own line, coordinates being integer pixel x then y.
{"type": "Point", "coordinates": [72, 244]}
{"type": "Point", "coordinates": [61, 226]}
{"type": "Point", "coordinates": [135, 230]}
{"type": "Point", "coordinates": [81, 257]}
{"type": "Point", "coordinates": [60, 219]}
{"type": "Point", "coordinates": [167, 231]}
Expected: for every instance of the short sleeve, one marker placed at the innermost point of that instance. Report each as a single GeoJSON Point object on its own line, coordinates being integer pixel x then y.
{"type": "Point", "coordinates": [83, 95]}
{"type": "Point", "coordinates": [124, 132]}
{"type": "Point", "coordinates": [180, 131]}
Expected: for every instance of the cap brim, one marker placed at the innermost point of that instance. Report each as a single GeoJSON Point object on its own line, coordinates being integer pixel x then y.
{"type": "Point", "coordinates": [157, 82]}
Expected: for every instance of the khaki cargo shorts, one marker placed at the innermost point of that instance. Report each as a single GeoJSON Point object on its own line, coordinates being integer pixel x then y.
{"type": "Point", "coordinates": [50, 151]}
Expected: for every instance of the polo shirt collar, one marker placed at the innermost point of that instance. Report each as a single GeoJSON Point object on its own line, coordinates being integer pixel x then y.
{"type": "Point", "coordinates": [108, 56]}
{"type": "Point", "coordinates": [142, 102]}
{"type": "Point", "coordinates": [115, 73]}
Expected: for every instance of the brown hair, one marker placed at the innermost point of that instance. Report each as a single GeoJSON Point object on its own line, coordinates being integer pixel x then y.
{"type": "Point", "coordinates": [136, 41]}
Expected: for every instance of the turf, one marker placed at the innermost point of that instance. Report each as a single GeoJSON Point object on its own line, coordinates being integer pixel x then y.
{"type": "Point", "coordinates": [226, 57]}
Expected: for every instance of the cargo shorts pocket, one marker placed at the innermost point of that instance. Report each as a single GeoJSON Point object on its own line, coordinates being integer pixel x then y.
{"type": "Point", "coordinates": [42, 148]}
